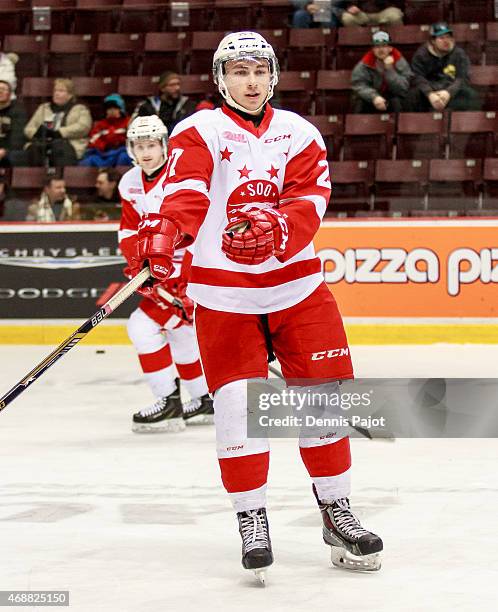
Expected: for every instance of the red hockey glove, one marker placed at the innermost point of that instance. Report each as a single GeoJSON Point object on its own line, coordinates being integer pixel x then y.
{"type": "Point", "coordinates": [265, 235]}
{"type": "Point", "coordinates": [183, 307]}
{"type": "Point", "coordinates": [157, 238]}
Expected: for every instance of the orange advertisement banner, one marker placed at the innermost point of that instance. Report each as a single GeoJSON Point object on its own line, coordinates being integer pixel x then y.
{"type": "Point", "coordinates": [422, 268]}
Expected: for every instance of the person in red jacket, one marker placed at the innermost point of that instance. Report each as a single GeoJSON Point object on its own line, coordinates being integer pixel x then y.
{"type": "Point", "coordinates": [107, 145]}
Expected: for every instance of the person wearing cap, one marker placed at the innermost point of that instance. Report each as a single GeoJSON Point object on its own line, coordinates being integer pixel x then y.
{"type": "Point", "coordinates": [169, 104]}
{"type": "Point", "coordinates": [442, 74]}
{"type": "Point", "coordinates": [12, 121]}
{"type": "Point", "coordinates": [58, 130]}
{"type": "Point", "coordinates": [381, 79]}
{"type": "Point", "coordinates": [107, 144]}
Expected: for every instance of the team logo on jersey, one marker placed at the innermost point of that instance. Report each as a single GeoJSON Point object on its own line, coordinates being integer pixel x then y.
{"type": "Point", "coordinates": [252, 195]}
{"type": "Point", "coordinates": [234, 137]}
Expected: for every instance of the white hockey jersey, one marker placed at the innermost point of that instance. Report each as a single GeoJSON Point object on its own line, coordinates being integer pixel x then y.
{"type": "Point", "coordinates": [139, 197]}
{"type": "Point", "coordinates": [220, 164]}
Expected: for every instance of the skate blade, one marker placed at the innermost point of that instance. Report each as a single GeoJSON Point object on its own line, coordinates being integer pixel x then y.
{"type": "Point", "coordinates": [167, 426]}
{"type": "Point", "coordinates": [344, 559]}
{"type": "Point", "coordinates": [201, 419]}
{"type": "Point", "coordinates": [261, 575]}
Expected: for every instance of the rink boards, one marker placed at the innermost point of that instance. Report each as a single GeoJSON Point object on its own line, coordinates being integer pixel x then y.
{"type": "Point", "coordinates": [396, 282]}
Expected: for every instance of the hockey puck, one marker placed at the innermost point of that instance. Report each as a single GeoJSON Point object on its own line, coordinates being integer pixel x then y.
{"type": "Point", "coordinates": [100, 351]}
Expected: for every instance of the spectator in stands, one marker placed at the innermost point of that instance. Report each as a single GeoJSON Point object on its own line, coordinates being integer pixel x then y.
{"type": "Point", "coordinates": [369, 13]}
{"type": "Point", "coordinates": [54, 204]}
{"type": "Point", "coordinates": [305, 12]}
{"type": "Point", "coordinates": [12, 122]}
{"type": "Point", "coordinates": [169, 104]}
{"type": "Point", "coordinates": [58, 130]}
{"type": "Point", "coordinates": [106, 185]}
{"type": "Point", "coordinates": [442, 74]}
{"type": "Point", "coordinates": [381, 79]}
{"type": "Point", "coordinates": [8, 63]}
{"type": "Point", "coordinates": [348, 13]}
{"type": "Point", "coordinates": [107, 145]}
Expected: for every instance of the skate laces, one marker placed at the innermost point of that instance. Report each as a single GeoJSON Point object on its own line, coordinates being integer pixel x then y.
{"type": "Point", "coordinates": [345, 520]}
{"type": "Point", "coordinates": [192, 405]}
{"type": "Point", "coordinates": [155, 408]}
{"type": "Point", "coordinates": [254, 530]}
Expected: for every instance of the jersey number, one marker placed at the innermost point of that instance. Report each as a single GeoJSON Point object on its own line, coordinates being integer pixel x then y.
{"type": "Point", "coordinates": [324, 179]}
{"type": "Point", "coordinates": [174, 156]}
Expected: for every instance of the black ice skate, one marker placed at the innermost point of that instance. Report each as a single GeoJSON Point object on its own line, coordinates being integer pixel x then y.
{"type": "Point", "coordinates": [199, 411]}
{"type": "Point", "coordinates": [165, 415]}
{"type": "Point", "coordinates": [352, 546]}
{"type": "Point", "coordinates": [256, 545]}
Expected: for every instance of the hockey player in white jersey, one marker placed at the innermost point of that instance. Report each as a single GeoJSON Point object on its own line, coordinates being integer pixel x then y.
{"type": "Point", "coordinates": [162, 334]}
{"type": "Point", "coordinates": [250, 185]}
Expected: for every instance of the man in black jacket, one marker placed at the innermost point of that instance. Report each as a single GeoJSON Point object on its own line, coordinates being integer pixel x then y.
{"type": "Point", "coordinates": [169, 104]}
{"type": "Point", "coordinates": [442, 74]}
{"type": "Point", "coordinates": [12, 121]}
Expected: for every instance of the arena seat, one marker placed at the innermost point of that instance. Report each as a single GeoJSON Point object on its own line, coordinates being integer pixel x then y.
{"type": "Point", "coordinates": [480, 11]}
{"type": "Point", "coordinates": [454, 183]}
{"type": "Point", "coordinates": [141, 16]}
{"type": "Point", "coordinates": [306, 48]}
{"type": "Point", "coordinates": [71, 54]}
{"type": "Point", "coordinates": [295, 89]}
{"type": "Point", "coordinates": [368, 136]}
{"type": "Point", "coordinates": [352, 44]}
{"type": "Point", "coordinates": [485, 80]}
{"type": "Point", "coordinates": [234, 15]}
{"type": "Point", "coordinates": [490, 183]}
{"type": "Point", "coordinates": [118, 54]}
{"type": "Point", "coordinates": [331, 127]}
{"type": "Point", "coordinates": [408, 38]}
{"type": "Point", "coordinates": [420, 135]}
{"type": "Point", "coordinates": [424, 11]}
{"type": "Point", "coordinates": [95, 16]}
{"type": "Point", "coordinates": [164, 51]}
{"type": "Point", "coordinates": [401, 184]}
{"type": "Point", "coordinates": [14, 15]}
{"type": "Point", "coordinates": [275, 13]}
{"type": "Point", "coordinates": [201, 51]}
{"type": "Point", "coordinates": [472, 134]}
{"type": "Point", "coordinates": [352, 183]}
{"type": "Point", "coordinates": [32, 50]}
{"type": "Point", "coordinates": [333, 92]}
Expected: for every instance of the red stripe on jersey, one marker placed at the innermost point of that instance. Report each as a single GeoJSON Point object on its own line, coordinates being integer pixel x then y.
{"type": "Point", "coordinates": [189, 159]}
{"type": "Point", "coordinates": [306, 174]}
{"type": "Point", "coordinates": [153, 362]}
{"type": "Point", "coordinates": [328, 460]}
{"type": "Point", "coordinates": [273, 278]}
{"type": "Point", "coordinates": [189, 371]}
{"type": "Point", "coordinates": [244, 473]}
{"type": "Point", "coordinates": [129, 216]}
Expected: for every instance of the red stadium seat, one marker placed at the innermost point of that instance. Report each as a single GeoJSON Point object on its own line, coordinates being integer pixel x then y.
{"type": "Point", "coordinates": [490, 179]}
{"type": "Point", "coordinates": [164, 51]}
{"type": "Point", "coordinates": [331, 127]}
{"type": "Point", "coordinates": [424, 11]}
{"type": "Point", "coordinates": [95, 16]}
{"type": "Point", "coordinates": [136, 88]}
{"type": "Point", "coordinates": [198, 86]}
{"type": "Point", "coordinates": [14, 15]}
{"type": "Point", "coordinates": [401, 184]}
{"type": "Point", "coordinates": [142, 16]}
{"type": "Point", "coordinates": [71, 54]}
{"type": "Point", "coordinates": [234, 15]}
{"type": "Point", "coordinates": [306, 49]}
{"type": "Point", "coordinates": [491, 46]}
{"type": "Point", "coordinates": [92, 91]}
{"type": "Point", "coordinates": [472, 134]}
{"type": "Point", "coordinates": [352, 183]}
{"type": "Point", "coordinates": [368, 136]}
{"type": "Point", "coordinates": [408, 38]}
{"type": "Point", "coordinates": [34, 91]}
{"type": "Point", "coordinates": [279, 40]}
{"type": "Point", "coordinates": [32, 51]}
{"type": "Point", "coordinates": [352, 44]}
{"type": "Point", "coordinates": [294, 91]}
{"type": "Point", "coordinates": [275, 13]}
{"type": "Point", "coordinates": [481, 11]}
{"type": "Point", "coordinates": [28, 182]}
{"type": "Point", "coordinates": [485, 80]}
{"type": "Point", "coordinates": [454, 183]}
{"type": "Point", "coordinates": [470, 37]}
{"type": "Point", "coordinates": [201, 53]}
{"type": "Point", "coordinates": [333, 92]}
{"type": "Point", "coordinates": [421, 135]}
{"type": "Point", "coordinates": [118, 54]}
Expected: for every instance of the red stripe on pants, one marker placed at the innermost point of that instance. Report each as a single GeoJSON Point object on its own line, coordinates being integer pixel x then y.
{"type": "Point", "coordinates": [327, 460]}
{"type": "Point", "coordinates": [189, 371]}
{"type": "Point", "coordinates": [244, 473]}
{"type": "Point", "coordinates": [153, 362]}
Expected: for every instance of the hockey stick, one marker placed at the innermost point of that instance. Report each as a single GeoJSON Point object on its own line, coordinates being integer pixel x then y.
{"type": "Point", "coordinates": [360, 430]}
{"type": "Point", "coordinates": [101, 314]}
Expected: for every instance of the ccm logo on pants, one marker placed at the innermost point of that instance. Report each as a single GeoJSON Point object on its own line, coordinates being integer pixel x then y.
{"type": "Point", "coordinates": [331, 353]}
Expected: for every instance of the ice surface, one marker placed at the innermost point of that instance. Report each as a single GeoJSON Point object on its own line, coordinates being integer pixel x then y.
{"type": "Point", "coordinates": [132, 523]}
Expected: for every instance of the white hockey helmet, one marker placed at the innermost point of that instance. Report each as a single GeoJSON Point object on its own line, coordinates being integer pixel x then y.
{"type": "Point", "coordinates": [241, 45]}
{"type": "Point", "coordinates": [149, 127]}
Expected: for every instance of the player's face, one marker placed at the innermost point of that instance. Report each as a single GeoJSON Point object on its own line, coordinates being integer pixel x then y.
{"type": "Point", "coordinates": [248, 82]}
{"type": "Point", "coordinates": [149, 154]}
